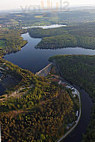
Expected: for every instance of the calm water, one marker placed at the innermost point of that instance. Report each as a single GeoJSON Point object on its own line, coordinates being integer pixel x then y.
{"type": "Point", "coordinates": [76, 134]}
{"type": "Point", "coordinates": [45, 27]}
{"type": "Point", "coordinates": [35, 59]}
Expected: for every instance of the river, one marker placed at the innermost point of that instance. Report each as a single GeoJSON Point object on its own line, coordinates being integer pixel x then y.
{"type": "Point", "coordinates": [76, 134]}
{"type": "Point", "coordinates": [35, 59]}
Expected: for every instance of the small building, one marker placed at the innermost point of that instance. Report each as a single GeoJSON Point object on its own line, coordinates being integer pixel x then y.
{"type": "Point", "coordinates": [7, 68]}
{"type": "Point", "coordinates": [77, 113]}
{"type": "Point", "coordinates": [59, 82]}
{"type": "Point", "coordinates": [74, 92]}
{"type": "Point", "coordinates": [68, 87]}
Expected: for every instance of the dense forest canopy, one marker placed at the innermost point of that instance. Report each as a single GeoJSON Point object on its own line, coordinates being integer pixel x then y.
{"type": "Point", "coordinates": [82, 35]}
{"type": "Point", "coordinates": [11, 41]}
{"type": "Point", "coordinates": [80, 70]}
{"type": "Point", "coordinates": [35, 109]}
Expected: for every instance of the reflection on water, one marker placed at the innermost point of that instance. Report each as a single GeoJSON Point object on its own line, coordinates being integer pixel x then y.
{"type": "Point", "coordinates": [45, 27]}
{"type": "Point", "coordinates": [35, 59]}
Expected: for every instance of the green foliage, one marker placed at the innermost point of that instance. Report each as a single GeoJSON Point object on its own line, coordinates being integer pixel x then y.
{"type": "Point", "coordinates": [58, 42]}
{"type": "Point", "coordinates": [80, 70]}
{"type": "Point", "coordinates": [39, 32]}
{"type": "Point", "coordinates": [41, 123]}
{"type": "Point", "coordinates": [72, 36]}
{"type": "Point", "coordinates": [12, 39]}
{"type": "Point", "coordinates": [38, 111]}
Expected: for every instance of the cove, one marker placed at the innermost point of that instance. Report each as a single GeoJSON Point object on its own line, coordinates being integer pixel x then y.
{"type": "Point", "coordinates": [35, 59]}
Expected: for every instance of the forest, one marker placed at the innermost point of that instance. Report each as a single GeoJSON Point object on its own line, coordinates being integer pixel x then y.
{"type": "Point", "coordinates": [60, 41]}
{"type": "Point", "coordinates": [80, 70]}
{"type": "Point", "coordinates": [11, 41]}
{"type": "Point", "coordinates": [27, 17]}
{"type": "Point", "coordinates": [81, 35]}
{"type": "Point", "coordinates": [38, 111]}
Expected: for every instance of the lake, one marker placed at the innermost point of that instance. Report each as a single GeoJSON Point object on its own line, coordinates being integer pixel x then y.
{"type": "Point", "coordinates": [35, 59]}
{"type": "Point", "coordinates": [45, 27]}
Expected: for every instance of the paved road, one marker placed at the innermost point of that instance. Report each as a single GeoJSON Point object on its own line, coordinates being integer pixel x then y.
{"type": "Point", "coordinates": [76, 121]}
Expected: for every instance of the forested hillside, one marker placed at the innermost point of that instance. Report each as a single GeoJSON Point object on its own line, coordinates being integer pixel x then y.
{"type": "Point", "coordinates": [80, 70]}
{"type": "Point", "coordinates": [36, 109]}
{"type": "Point", "coordinates": [60, 41]}
{"type": "Point", "coordinates": [82, 35]}
{"type": "Point", "coordinates": [11, 41]}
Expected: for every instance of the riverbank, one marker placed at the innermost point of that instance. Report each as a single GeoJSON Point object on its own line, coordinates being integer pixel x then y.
{"type": "Point", "coordinates": [80, 70]}
{"type": "Point", "coordinates": [42, 97]}
{"type": "Point", "coordinates": [75, 93]}
{"type": "Point", "coordinates": [44, 72]}
{"type": "Point", "coordinates": [77, 121]}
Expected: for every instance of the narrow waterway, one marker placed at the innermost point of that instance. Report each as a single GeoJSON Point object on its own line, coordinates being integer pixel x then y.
{"type": "Point", "coordinates": [76, 134]}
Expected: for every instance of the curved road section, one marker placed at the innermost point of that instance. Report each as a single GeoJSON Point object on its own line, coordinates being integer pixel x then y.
{"type": "Point", "coordinates": [77, 121]}
{"type": "Point", "coordinates": [76, 132]}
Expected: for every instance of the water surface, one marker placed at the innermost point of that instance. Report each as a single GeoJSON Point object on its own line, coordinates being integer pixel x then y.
{"type": "Point", "coordinates": [35, 59]}
{"type": "Point", "coordinates": [77, 133]}
{"type": "Point", "coordinates": [45, 27]}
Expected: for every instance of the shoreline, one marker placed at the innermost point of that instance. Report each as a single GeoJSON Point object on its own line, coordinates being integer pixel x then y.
{"type": "Point", "coordinates": [77, 121]}
{"type": "Point", "coordinates": [7, 53]}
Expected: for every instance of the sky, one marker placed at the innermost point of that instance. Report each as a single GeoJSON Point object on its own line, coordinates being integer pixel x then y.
{"type": "Point", "coordinates": [17, 4]}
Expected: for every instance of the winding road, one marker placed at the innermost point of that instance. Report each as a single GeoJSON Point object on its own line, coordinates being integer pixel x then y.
{"type": "Point", "coordinates": [63, 137]}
